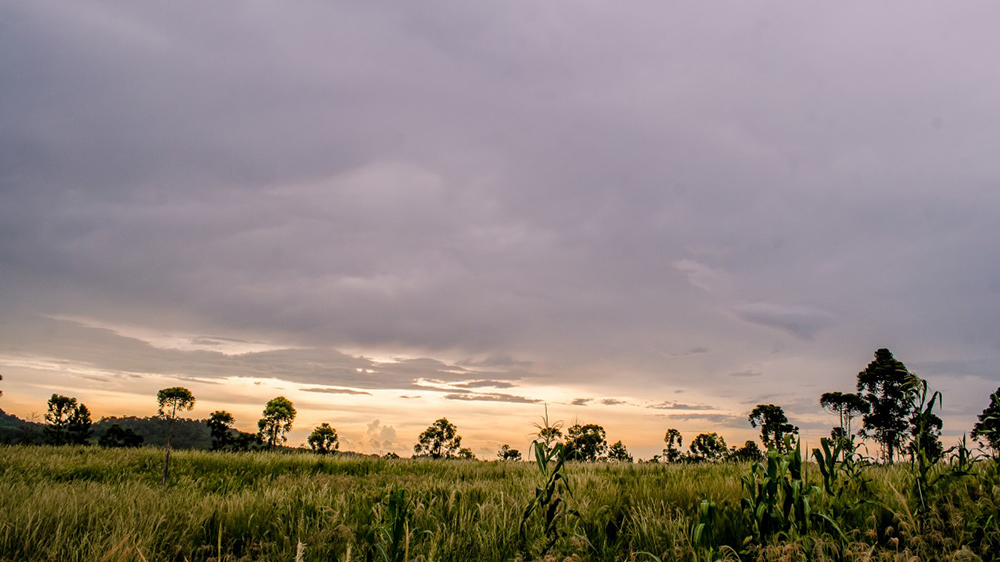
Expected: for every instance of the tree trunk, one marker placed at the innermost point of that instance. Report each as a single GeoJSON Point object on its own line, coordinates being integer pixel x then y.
{"type": "Point", "coordinates": [166, 458]}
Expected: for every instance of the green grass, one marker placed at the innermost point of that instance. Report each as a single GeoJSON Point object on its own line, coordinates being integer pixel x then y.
{"type": "Point", "coordinates": [92, 504]}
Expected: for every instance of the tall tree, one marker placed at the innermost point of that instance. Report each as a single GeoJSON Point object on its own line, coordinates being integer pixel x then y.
{"type": "Point", "coordinates": [439, 441]}
{"type": "Point", "coordinates": [68, 421]}
{"type": "Point", "coordinates": [618, 452]}
{"type": "Point", "coordinates": [773, 425]}
{"type": "Point", "coordinates": [324, 439]}
{"type": "Point", "coordinates": [586, 442]}
{"type": "Point", "coordinates": [279, 413]}
{"type": "Point", "coordinates": [709, 447]}
{"type": "Point", "coordinates": [171, 401]}
{"type": "Point", "coordinates": [887, 387]}
{"type": "Point", "coordinates": [987, 429]}
{"type": "Point", "coordinates": [220, 425]}
{"type": "Point", "coordinates": [672, 438]}
{"type": "Point", "coordinates": [846, 406]}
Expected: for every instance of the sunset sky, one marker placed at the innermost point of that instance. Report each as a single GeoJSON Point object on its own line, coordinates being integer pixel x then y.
{"type": "Point", "coordinates": [645, 215]}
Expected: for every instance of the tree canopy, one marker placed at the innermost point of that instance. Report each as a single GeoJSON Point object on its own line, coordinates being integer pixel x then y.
{"type": "Point", "coordinates": [709, 447]}
{"type": "Point", "coordinates": [887, 387]}
{"type": "Point", "coordinates": [68, 422]}
{"type": "Point", "coordinates": [439, 441]}
{"type": "Point", "coordinates": [586, 442]}
{"type": "Point", "coordinates": [324, 439]}
{"type": "Point", "coordinates": [672, 438]}
{"type": "Point", "coordinates": [987, 428]}
{"type": "Point", "coordinates": [773, 425]}
{"type": "Point", "coordinates": [279, 413]}
{"type": "Point", "coordinates": [846, 406]}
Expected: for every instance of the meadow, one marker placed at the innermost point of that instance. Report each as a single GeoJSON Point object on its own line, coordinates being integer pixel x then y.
{"type": "Point", "coordinates": [76, 503]}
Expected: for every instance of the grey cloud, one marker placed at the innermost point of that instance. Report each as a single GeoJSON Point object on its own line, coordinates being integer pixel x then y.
{"type": "Point", "coordinates": [336, 391]}
{"type": "Point", "coordinates": [581, 401]}
{"type": "Point", "coordinates": [613, 402]}
{"type": "Point", "coordinates": [492, 397]}
{"type": "Point", "coordinates": [680, 406]}
{"type": "Point", "coordinates": [557, 192]}
{"type": "Point", "coordinates": [801, 322]}
{"type": "Point", "coordinates": [749, 373]}
{"type": "Point", "coordinates": [484, 383]}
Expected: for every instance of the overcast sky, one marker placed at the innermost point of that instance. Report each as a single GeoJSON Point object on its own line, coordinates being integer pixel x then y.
{"type": "Point", "coordinates": [647, 215]}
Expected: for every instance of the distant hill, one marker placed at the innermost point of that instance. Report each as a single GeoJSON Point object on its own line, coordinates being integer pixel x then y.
{"type": "Point", "coordinates": [15, 431]}
{"type": "Point", "coordinates": [188, 433]}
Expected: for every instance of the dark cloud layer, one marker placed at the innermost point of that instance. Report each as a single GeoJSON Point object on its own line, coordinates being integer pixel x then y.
{"type": "Point", "coordinates": [567, 189]}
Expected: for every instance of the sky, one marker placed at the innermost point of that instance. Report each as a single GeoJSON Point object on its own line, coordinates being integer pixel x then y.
{"type": "Point", "coordinates": [643, 215]}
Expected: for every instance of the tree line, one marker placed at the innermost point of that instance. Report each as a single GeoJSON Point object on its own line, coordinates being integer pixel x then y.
{"type": "Point", "coordinates": [890, 402]}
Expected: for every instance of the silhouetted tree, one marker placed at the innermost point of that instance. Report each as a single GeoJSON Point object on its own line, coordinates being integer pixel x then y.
{"type": "Point", "coordinates": [117, 436]}
{"type": "Point", "coordinates": [987, 429]}
{"type": "Point", "coordinates": [68, 421]}
{"type": "Point", "coordinates": [324, 439]}
{"type": "Point", "coordinates": [507, 454]}
{"type": "Point", "coordinates": [586, 442]}
{"type": "Point", "coordinates": [847, 406]}
{"type": "Point", "coordinates": [618, 452]}
{"type": "Point", "coordinates": [277, 421]}
{"type": "Point", "coordinates": [674, 442]}
{"type": "Point", "coordinates": [709, 447]}
{"type": "Point", "coordinates": [773, 425]}
{"type": "Point", "coordinates": [466, 454]}
{"type": "Point", "coordinates": [171, 401]}
{"type": "Point", "coordinates": [887, 387]}
{"type": "Point", "coordinates": [439, 441]}
{"type": "Point", "coordinates": [220, 425]}
{"type": "Point", "coordinates": [749, 452]}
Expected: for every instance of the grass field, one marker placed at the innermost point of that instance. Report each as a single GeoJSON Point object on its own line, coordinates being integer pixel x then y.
{"type": "Point", "coordinates": [93, 504]}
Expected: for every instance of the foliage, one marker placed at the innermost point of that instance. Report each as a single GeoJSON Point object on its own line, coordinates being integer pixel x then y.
{"type": "Point", "coordinates": [439, 441]}
{"type": "Point", "coordinates": [749, 452]}
{"type": "Point", "coordinates": [672, 452]}
{"type": "Point", "coordinates": [117, 436]}
{"type": "Point", "coordinates": [170, 401]}
{"type": "Point", "coordinates": [847, 406]}
{"type": "Point", "coordinates": [220, 425]}
{"type": "Point", "coordinates": [987, 428]}
{"type": "Point", "coordinates": [323, 439]}
{"type": "Point", "coordinates": [390, 537]}
{"type": "Point", "coordinates": [777, 501]}
{"type": "Point", "coordinates": [184, 433]}
{"type": "Point", "coordinates": [466, 453]}
{"type": "Point", "coordinates": [710, 447]}
{"type": "Point", "coordinates": [68, 422]}
{"type": "Point", "coordinates": [773, 425]}
{"type": "Point", "coordinates": [886, 386]}
{"type": "Point", "coordinates": [279, 413]}
{"type": "Point", "coordinates": [618, 452]}
{"type": "Point", "coordinates": [507, 454]}
{"type": "Point", "coordinates": [548, 500]}
{"type": "Point", "coordinates": [586, 443]}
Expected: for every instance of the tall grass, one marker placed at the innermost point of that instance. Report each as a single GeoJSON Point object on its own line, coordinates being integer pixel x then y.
{"type": "Point", "coordinates": [90, 504]}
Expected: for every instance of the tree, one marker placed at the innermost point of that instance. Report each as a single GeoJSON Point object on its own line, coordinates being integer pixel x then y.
{"type": "Point", "coordinates": [68, 421]}
{"type": "Point", "coordinates": [672, 453]}
{"type": "Point", "coordinates": [439, 441]}
{"type": "Point", "coordinates": [171, 401]}
{"type": "Point", "coordinates": [618, 452]}
{"type": "Point", "coordinates": [466, 453]}
{"type": "Point", "coordinates": [117, 437]}
{"type": "Point", "coordinates": [773, 425]}
{"type": "Point", "coordinates": [887, 387]}
{"type": "Point", "coordinates": [709, 447]}
{"type": "Point", "coordinates": [277, 421]}
{"type": "Point", "coordinates": [586, 442]}
{"type": "Point", "coordinates": [847, 406]}
{"type": "Point", "coordinates": [220, 425]}
{"type": "Point", "coordinates": [987, 429]}
{"type": "Point", "coordinates": [324, 439]}
{"type": "Point", "coordinates": [1, 378]}
{"type": "Point", "coordinates": [507, 454]}
{"type": "Point", "coordinates": [749, 452]}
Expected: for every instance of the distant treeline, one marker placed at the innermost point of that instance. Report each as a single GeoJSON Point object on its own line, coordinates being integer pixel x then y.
{"type": "Point", "coordinates": [188, 433]}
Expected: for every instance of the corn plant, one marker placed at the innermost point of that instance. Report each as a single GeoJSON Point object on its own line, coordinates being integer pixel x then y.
{"type": "Point", "coordinates": [548, 500]}
{"type": "Point", "coordinates": [777, 496]}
